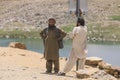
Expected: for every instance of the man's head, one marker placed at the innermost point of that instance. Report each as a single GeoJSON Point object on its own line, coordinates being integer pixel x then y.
{"type": "Point", "coordinates": [51, 22]}
{"type": "Point", "coordinates": [81, 22]}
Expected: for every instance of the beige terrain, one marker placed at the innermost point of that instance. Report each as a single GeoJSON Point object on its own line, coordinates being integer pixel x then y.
{"type": "Point", "coordinates": [36, 12]}
{"type": "Point", "coordinates": [17, 64]}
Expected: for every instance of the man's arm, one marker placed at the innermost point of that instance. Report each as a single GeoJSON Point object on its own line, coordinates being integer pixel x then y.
{"type": "Point", "coordinates": [62, 34]}
{"type": "Point", "coordinates": [43, 34]}
{"type": "Point", "coordinates": [72, 34]}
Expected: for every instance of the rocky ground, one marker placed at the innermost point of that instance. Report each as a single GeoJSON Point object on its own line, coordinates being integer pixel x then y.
{"type": "Point", "coordinates": [36, 12]}
{"type": "Point", "coordinates": [17, 64]}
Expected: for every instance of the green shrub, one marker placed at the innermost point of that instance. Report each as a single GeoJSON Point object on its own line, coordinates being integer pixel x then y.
{"type": "Point", "coordinates": [116, 17]}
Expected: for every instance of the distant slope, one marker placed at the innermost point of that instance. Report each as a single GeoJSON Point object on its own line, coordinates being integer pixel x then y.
{"type": "Point", "coordinates": [36, 12]}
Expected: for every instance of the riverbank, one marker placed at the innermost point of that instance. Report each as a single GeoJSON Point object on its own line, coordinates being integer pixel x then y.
{"type": "Point", "coordinates": [17, 64]}
{"type": "Point", "coordinates": [99, 49]}
{"type": "Point", "coordinates": [95, 33]}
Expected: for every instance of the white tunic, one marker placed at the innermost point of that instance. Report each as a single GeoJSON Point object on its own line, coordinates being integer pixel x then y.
{"type": "Point", "coordinates": [79, 36]}
{"type": "Point", "coordinates": [78, 51]}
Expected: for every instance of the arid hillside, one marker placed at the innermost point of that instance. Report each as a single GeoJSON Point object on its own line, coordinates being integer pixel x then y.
{"type": "Point", "coordinates": [36, 12]}
{"type": "Point", "coordinates": [102, 18]}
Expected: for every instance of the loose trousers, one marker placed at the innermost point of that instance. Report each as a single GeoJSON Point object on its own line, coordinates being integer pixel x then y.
{"type": "Point", "coordinates": [49, 64]}
{"type": "Point", "coordinates": [72, 61]}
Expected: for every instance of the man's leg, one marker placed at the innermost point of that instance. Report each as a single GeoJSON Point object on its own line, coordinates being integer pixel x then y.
{"type": "Point", "coordinates": [81, 63]}
{"type": "Point", "coordinates": [70, 63]}
{"type": "Point", "coordinates": [56, 65]}
{"type": "Point", "coordinates": [49, 66]}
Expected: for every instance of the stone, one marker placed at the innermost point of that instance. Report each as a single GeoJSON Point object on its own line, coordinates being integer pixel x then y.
{"type": "Point", "coordinates": [92, 70]}
{"type": "Point", "coordinates": [115, 71]}
{"type": "Point", "coordinates": [93, 61]}
{"type": "Point", "coordinates": [17, 45]}
{"type": "Point", "coordinates": [116, 68]}
{"type": "Point", "coordinates": [82, 74]}
{"type": "Point", "coordinates": [118, 6]}
{"type": "Point", "coordinates": [102, 75]}
{"type": "Point", "coordinates": [104, 65]}
{"type": "Point", "coordinates": [37, 14]}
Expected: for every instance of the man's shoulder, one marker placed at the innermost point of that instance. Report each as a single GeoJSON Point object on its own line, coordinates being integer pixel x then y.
{"type": "Point", "coordinates": [75, 28]}
{"type": "Point", "coordinates": [45, 29]}
{"type": "Point", "coordinates": [58, 29]}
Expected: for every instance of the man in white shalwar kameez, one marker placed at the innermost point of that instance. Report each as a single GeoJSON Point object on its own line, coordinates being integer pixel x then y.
{"type": "Point", "coordinates": [79, 44]}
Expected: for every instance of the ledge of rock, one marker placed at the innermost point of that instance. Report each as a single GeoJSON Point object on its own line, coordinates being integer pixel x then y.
{"type": "Point", "coordinates": [104, 65]}
{"type": "Point", "coordinates": [17, 45]}
{"type": "Point", "coordinates": [82, 74]}
{"type": "Point", "coordinates": [115, 71]}
{"type": "Point", "coordinates": [93, 61]}
{"type": "Point", "coordinates": [102, 75]}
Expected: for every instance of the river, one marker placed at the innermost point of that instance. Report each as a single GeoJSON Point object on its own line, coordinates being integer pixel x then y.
{"type": "Point", "coordinates": [110, 52]}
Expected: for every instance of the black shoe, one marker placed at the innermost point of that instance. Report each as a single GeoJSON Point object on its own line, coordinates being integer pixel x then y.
{"type": "Point", "coordinates": [48, 72]}
{"type": "Point", "coordinates": [61, 74]}
{"type": "Point", "coordinates": [56, 72]}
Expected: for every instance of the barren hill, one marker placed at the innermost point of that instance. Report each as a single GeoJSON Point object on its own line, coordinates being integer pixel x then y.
{"type": "Point", "coordinates": [36, 12]}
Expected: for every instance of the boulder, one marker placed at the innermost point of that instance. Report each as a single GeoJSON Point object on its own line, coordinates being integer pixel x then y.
{"type": "Point", "coordinates": [108, 68]}
{"type": "Point", "coordinates": [104, 65]}
{"type": "Point", "coordinates": [82, 74]}
{"type": "Point", "coordinates": [118, 6]}
{"type": "Point", "coordinates": [17, 45]}
{"type": "Point", "coordinates": [102, 75]}
{"type": "Point", "coordinates": [115, 71]}
{"type": "Point", "coordinates": [93, 61]}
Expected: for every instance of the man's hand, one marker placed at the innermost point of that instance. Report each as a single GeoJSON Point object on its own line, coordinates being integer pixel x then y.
{"type": "Point", "coordinates": [42, 57]}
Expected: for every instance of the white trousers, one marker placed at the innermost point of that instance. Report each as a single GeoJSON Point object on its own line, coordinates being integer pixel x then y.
{"type": "Point", "coordinates": [72, 61]}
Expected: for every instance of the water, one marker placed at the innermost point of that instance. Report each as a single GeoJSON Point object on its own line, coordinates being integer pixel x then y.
{"type": "Point", "coordinates": [109, 52]}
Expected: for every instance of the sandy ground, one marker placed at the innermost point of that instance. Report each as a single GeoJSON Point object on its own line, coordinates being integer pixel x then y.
{"type": "Point", "coordinates": [17, 64]}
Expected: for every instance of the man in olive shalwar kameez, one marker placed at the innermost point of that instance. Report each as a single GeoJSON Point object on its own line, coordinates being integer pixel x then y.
{"type": "Point", "coordinates": [51, 36]}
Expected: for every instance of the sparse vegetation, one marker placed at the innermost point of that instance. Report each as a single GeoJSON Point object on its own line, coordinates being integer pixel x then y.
{"type": "Point", "coordinates": [109, 33]}
{"type": "Point", "coordinates": [68, 28]}
{"type": "Point", "coordinates": [116, 17]}
{"type": "Point", "coordinates": [21, 20]}
{"type": "Point", "coordinates": [19, 34]}
{"type": "Point", "coordinates": [95, 33]}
